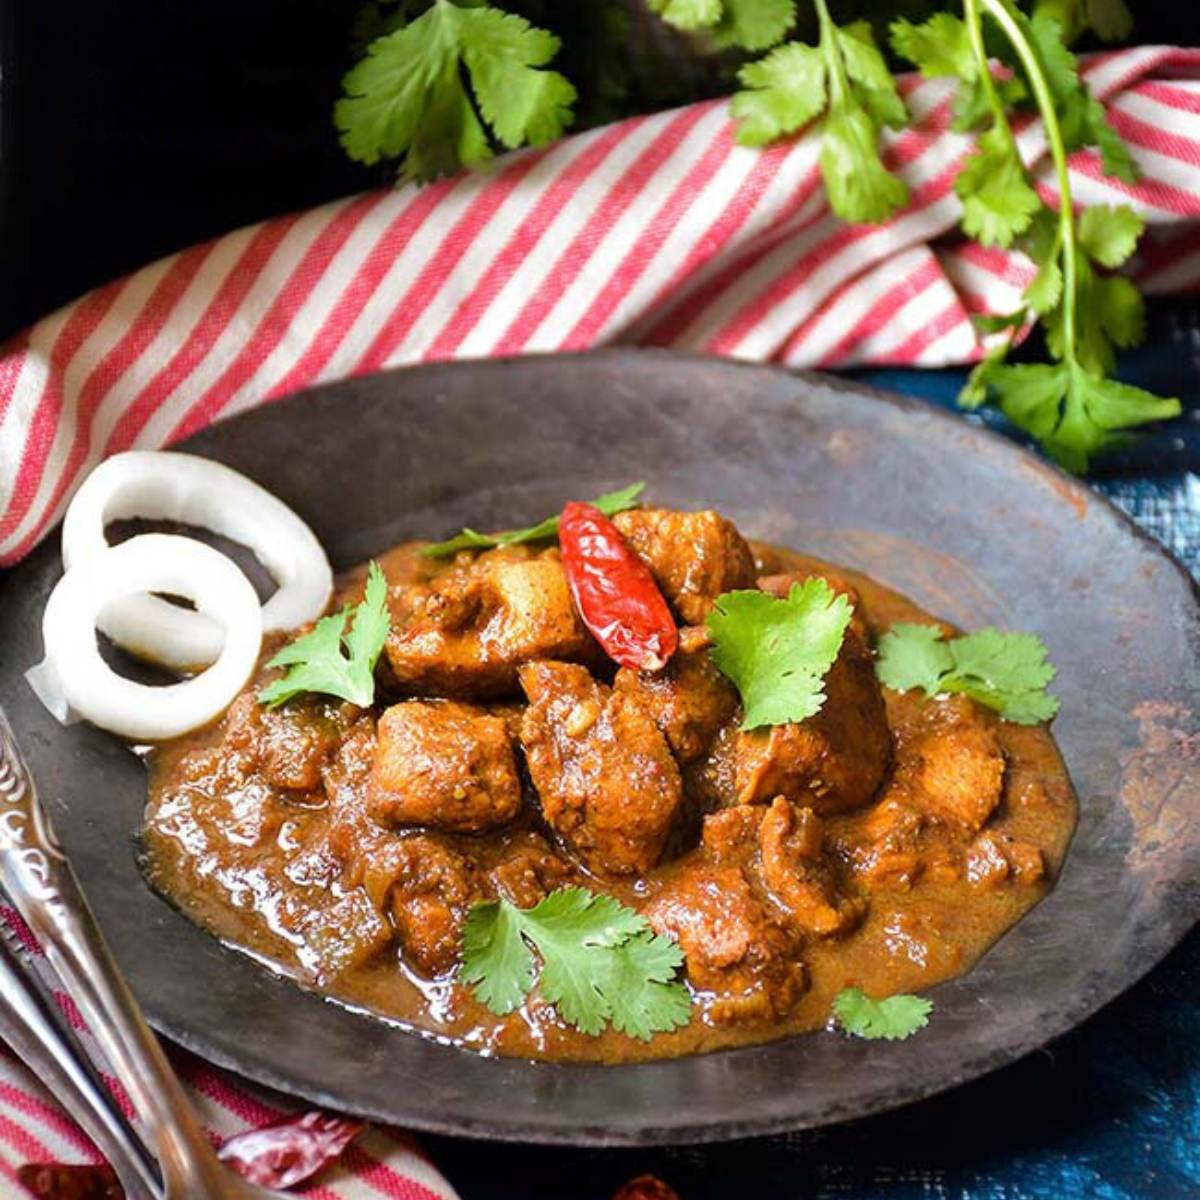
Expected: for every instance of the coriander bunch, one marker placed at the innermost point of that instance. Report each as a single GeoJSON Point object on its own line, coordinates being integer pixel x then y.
{"type": "Point", "coordinates": [446, 83]}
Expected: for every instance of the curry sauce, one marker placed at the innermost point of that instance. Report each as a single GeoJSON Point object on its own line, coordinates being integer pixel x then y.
{"type": "Point", "coordinates": [884, 843]}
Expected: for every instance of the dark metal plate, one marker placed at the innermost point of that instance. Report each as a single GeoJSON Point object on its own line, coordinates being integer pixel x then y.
{"type": "Point", "coordinates": [974, 529]}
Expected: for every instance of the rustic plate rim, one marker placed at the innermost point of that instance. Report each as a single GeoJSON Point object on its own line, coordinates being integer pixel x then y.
{"type": "Point", "coordinates": [731, 1128]}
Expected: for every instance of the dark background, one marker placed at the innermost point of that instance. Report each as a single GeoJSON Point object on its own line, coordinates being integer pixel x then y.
{"type": "Point", "coordinates": [129, 129]}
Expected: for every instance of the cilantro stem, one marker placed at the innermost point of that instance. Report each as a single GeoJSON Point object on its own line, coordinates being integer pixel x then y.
{"type": "Point", "coordinates": [974, 23]}
{"type": "Point", "coordinates": [839, 84]}
{"type": "Point", "coordinates": [1001, 12]}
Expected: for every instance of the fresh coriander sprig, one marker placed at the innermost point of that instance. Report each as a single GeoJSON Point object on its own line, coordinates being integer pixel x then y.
{"type": "Point", "coordinates": [893, 1018]}
{"type": "Point", "coordinates": [1070, 407]}
{"type": "Point", "coordinates": [470, 539]}
{"type": "Point", "coordinates": [1007, 672]}
{"type": "Point", "coordinates": [408, 99]}
{"type": "Point", "coordinates": [748, 24]}
{"type": "Point", "coordinates": [998, 200]}
{"type": "Point", "coordinates": [329, 660]}
{"type": "Point", "coordinates": [777, 651]}
{"type": "Point", "coordinates": [845, 77]}
{"type": "Point", "coordinates": [601, 963]}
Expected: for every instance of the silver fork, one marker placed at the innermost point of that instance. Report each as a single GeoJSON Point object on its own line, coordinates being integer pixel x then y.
{"type": "Point", "coordinates": [35, 1032]}
{"type": "Point", "coordinates": [44, 890]}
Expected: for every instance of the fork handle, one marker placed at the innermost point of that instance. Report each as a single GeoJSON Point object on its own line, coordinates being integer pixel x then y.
{"type": "Point", "coordinates": [35, 1034]}
{"type": "Point", "coordinates": [44, 890]}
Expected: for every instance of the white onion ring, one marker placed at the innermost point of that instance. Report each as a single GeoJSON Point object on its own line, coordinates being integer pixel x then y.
{"type": "Point", "coordinates": [164, 485]}
{"type": "Point", "coordinates": [73, 680]}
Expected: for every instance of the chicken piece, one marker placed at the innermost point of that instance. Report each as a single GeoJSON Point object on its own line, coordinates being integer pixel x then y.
{"type": "Point", "coordinates": [483, 619]}
{"type": "Point", "coordinates": [955, 770]}
{"type": "Point", "coordinates": [427, 888]}
{"type": "Point", "coordinates": [833, 761]}
{"type": "Point", "coordinates": [1027, 862]}
{"type": "Point", "coordinates": [784, 846]}
{"type": "Point", "coordinates": [730, 835]}
{"type": "Point", "coordinates": [603, 770]}
{"type": "Point", "coordinates": [731, 944]}
{"type": "Point", "coordinates": [529, 870]}
{"type": "Point", "coordinates": [443, 764]}
{"type": "Point", "coordinates": [298, 740]}
{"type": "Point", "coordinates": [994, 858]}
{"type": "Point", "coordinates": [288, 746]}
{"type": "Point", "coordinates": [780, 585]}
{"type": "Point", "coordinates": [690, 700]}
{"type": "Point", "coordinates": [694, 556]}
{"type": "Point", "coordinates": [890, 850]}
{"type": "Point", "coordinates": [353, 834]}
{"type": "Point", "coordinates": [798, 873]}
{"type": "Point", "coordinates": [986, 864]}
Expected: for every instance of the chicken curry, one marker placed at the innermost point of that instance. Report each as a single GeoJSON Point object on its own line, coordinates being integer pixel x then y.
{"type": "Point", "coordinates": [882, 843]}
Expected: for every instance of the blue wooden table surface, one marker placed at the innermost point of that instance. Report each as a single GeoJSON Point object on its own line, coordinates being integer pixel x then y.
{"type": "Point", "coordinates": [1109, 1112]}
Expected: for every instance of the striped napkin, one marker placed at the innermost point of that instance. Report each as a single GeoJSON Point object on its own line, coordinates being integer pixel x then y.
{"type": "Point", "coordinates": [658, 230]}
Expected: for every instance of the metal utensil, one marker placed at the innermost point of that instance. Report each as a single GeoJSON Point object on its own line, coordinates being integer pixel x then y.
{"type": "Point", "coordinates": [43, 888]}
{"type": "Point", "coordinates": [35, 1033]}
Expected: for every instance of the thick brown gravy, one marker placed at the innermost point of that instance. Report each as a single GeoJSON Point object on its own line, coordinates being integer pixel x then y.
{"type": "Point", "coordinates": [266, 868]}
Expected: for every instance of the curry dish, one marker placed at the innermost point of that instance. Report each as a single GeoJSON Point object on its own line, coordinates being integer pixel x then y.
{"type": "Point", "coordinates": [884, 843]}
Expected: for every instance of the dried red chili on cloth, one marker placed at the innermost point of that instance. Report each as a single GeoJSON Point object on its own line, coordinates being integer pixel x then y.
{"type": "Point", "coordinates": [614, 591]}
{"type": "Point", "coordinates": [284, 1154]}
{"type": "Point", "coordinates": [70, 1181]}
{"type": "Point", "coordinates": [290, 1150]}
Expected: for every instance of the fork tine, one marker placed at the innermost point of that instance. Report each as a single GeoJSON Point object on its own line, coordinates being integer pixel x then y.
{"type": "Point", "coordinates": [35, 1030]}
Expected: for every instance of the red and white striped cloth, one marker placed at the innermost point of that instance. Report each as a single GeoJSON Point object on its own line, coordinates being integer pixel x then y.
{"type": "Point", "coordinates": [658, 230]}
{"type": "Point", "coordinates": [381, 1163]}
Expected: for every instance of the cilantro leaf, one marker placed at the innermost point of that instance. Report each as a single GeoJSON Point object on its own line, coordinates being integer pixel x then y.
{"type": "Point", "coordinates": [1082, 117]}
{"type": "Point", "coordinates": [747, 24]}
{"type": "Point", "coordinates": [521, 103]}
{"type": "Point", "coordinates": [939, 46]}
{"type": "Point", "coordinates": [496, 958]}
{"type": "Point", "coordinates": [997, 198]}
{"type": "Point", "coordinates": [894, 1018]}
{"type": "Point", "coordinates": [784, 91]}
{"type": "Point", "coordinates": [1110, 20]}
{"type": "Point", "coordinates": [316, 661]}
{"type": "Point", "coordinates": [866, 68]}
{"type": "Point", "coordinates": [1109, 309]}
{"type": "Point", "coordinates": [999, 202]}
{"type": "Point", "coordinates": [689, 15]}
{"type": "Point", "coordinates": [860, 187]}
{"type": "Point", "coordinates": [1110, 313]}
{"type": "Point", "coordinates": [913, 656]}
{"type": "Point", "coordinates": [1109, 234]}
{"type": "Point", "coordinates": [1070, 408]}
{"type": "Point", "coordinates": [777, 651]}
{"type": "Point", "coordinates": [1007, 672]}
{"type": "Point", "coordinates": [407, 98]}
{"type": "Point", "coordinates": [601, 963]}
{"type": "Point", "coordinates": [754, 24]}
{"type": "Point", "coordinates": [470, 539]}
{"type": "Point", "coordinates": [846, 77]}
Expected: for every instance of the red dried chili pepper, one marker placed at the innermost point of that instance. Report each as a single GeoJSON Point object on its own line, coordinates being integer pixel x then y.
{"type": "Point", "coordinates": [280, 1155]}
{"type": "Point", "coordinates": [614, 591]}
{"type": "Point", "coordinates": [290, 1150]}
{"type": "Point", "coordinates": [70, 1181]}
{"type": "Point", "coordinates": [645, 1187]}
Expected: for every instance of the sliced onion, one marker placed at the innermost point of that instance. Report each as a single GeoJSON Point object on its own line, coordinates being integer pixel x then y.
{"type": "Point", "coordinates": [164, 485]}
{"type": "Point", "coordinates": [74, 681]}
